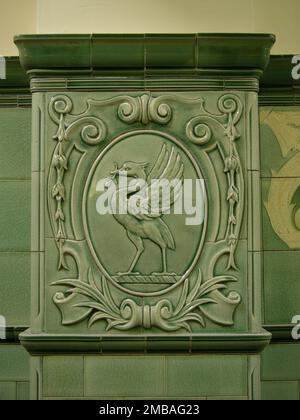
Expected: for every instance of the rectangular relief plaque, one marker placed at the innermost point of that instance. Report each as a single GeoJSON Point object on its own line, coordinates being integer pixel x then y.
{"type": "Point", "coordinates": [146, 216]}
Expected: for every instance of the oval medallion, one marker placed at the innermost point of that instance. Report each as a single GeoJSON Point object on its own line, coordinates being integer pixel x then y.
{"type": "Point", "coordinates": [145, 212]}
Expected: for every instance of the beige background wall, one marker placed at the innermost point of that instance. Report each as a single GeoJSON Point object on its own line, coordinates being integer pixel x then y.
{"type": "Point", "coordinates": [281, 17]}
{"type": "Point", "coordinates": [16, 16]}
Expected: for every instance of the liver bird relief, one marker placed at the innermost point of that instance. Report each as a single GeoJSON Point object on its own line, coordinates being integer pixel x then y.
{"type": "Point", "coordinates": [151, 202]}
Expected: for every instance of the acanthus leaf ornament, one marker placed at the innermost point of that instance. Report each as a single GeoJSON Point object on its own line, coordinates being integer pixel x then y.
{"type": "Point", "coordinates": [99, 305]}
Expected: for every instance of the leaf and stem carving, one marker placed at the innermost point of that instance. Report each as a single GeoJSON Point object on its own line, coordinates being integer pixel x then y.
{"type": "Point", "coordinates": [162, 315]}
{"type": "Point", "coordinates": [201, 130]}
{"type": "Point", "coordinates": [93, 131]}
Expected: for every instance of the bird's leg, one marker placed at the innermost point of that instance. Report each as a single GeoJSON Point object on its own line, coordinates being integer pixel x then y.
{"type": "Point", "coordinates": [134, 262]}
{"type": "Point", "coordinates": [165, 271]}
{"type": "Point", "coordinates": [138, 243]}
{"type": "Point", "coordinates": [164, 258]}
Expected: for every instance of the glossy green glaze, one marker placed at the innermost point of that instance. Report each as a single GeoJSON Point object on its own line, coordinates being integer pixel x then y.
{"type": "Point", "coordinates": [134, 113]}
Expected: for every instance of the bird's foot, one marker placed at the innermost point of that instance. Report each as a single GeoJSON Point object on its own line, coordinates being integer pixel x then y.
{"type": "Point", "coordinates": [129, 273]}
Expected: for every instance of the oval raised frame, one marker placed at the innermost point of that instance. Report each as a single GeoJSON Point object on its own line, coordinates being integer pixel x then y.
{"type": "Point", "coordinates": [85, 224]}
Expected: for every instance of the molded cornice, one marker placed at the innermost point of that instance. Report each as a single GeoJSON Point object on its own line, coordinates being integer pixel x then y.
{"type": "Point", "coordinates": [238, 57]}
{"type": "Point", "coordinates": [16, 78]}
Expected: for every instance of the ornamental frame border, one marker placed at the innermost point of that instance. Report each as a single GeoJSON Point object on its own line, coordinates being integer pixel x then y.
{"type": "Point", "coordinates": [91, 297]}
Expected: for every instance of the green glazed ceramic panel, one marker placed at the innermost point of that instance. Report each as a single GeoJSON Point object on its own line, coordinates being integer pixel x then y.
{"type": "Point", "coordinates": [167, 275]}
{"type": "Point", "coordinates": [150, 377]}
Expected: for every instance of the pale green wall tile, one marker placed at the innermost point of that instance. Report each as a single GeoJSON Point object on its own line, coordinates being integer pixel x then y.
{"type": "Point", "coordinates": [8, 391]}
{"type": "Point", "coordinates": [269, 161]}
{"type": "Point", "coordinates": [23, 391]}
{"type": "Point", "coordinates": [15, 216]}
{"type": "Point", "coordinates": [279, 228]}
{"type": "Point", "coordinates": [281, 286]}
{"type": "Point", "coordinates": [280, 391]}
{"type": "Point", "coordinates": [15, 288]}
{"type": "Point", "coordinates": [281, 362]}
{"type": "Point", "coordinates": [124, 376]}
{"type": "Point", "coordinates": [63, 376]}
{"type": "Point", "coordinates": [209, 376]}
{"type": "Point", "coordinates": [14, 363]}
{"type": "Point", "coordinates": [15, 143]}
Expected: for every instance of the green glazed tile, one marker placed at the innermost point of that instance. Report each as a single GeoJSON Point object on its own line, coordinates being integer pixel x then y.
{"type": "Point", "coordinates": [281, 203]}
{"type": "Point", "coordinates": [269, 161]}
{"type": "Point", "coordinates": [15, 288]}
{"type": "Point", "coordinates": [279, 132]}
{"type": "Point", "coordinates": [15, 143]}
{"type": "Point", "coordinates": [233, 50]}
{"type": "Point", "coordinates": [281, 286]}
{"type": "Point", "coordinates": [63, 376]}
{"type": "Point", "coordinates": [15, 216]}
{"type": "Point", "coordinates": [207, 376]}
{"type": "Point", "coordinates": [174, 51]}
{"type": "Point", "coordinates": [14, 363]}
{"type": "Point", "coordinates": [112, 52]}
{"type": "Point", "coordinates": [8, 391]}
{"type": "Point", "coordinates": [280, 362]}
{"type": "Point", "coordinates": [23, 391]}
{"type": "Point", "coordinates": [55, 51]}
{"type": "Point", "coordinates": [280, 391]}
{"type": "Point", "coordinates": [124, 376]}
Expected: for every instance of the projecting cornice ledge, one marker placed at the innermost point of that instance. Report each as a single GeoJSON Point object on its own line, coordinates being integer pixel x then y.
{"type": "Point", "coordinates": [15, 78]}
{"type": "Point", "coordinates": [278, 86]}
{"type": "Point", "coordinates": [171, 55]}
{"type": "Point", "coordinates": [233, 343]}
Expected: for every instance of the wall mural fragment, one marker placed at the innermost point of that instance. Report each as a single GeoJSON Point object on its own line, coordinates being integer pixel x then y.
{"type": "Point", "coordinates": [284, 216]}
{"type": "Point", "coordinates": [147, 267]}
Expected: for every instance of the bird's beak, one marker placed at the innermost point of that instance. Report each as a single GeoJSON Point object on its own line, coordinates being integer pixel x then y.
{"type": "Point", "coordinates": [115, 171]}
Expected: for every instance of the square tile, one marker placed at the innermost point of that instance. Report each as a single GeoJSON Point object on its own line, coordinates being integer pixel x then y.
{"type": "Point", "coordinates": [207, 376]}
{"type": "Point", "coordinates": [15, 216]}
{"type": "Point", "coordinates": [14, 363]}
{"type": "Point", "coordinates": [8, 391]}
{"type": "Point", "coordinates": [124, 376]}
{"type": "Point", "coordinates": [280, 362]}
{"type": "Point", "coordinates": [280, 391]}
{"type": "Point", "coordinates": [63, 376]}
{"type": "Point", "coordinates": [281, 203]}
{"type": "Point", "coordinates": [15, 288]}
{"type": "Point", "coordinates": [15, 143]}
{"type": "Point", "coordinates": [281, 286]}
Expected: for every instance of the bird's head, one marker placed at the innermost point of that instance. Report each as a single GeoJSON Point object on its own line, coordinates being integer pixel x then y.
{"type": "Point", "coordinates": [131, 170]}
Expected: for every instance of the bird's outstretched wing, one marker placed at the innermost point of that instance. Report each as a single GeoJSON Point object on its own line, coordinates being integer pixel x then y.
{"type": "Point", "coordinates": [163, 188]}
